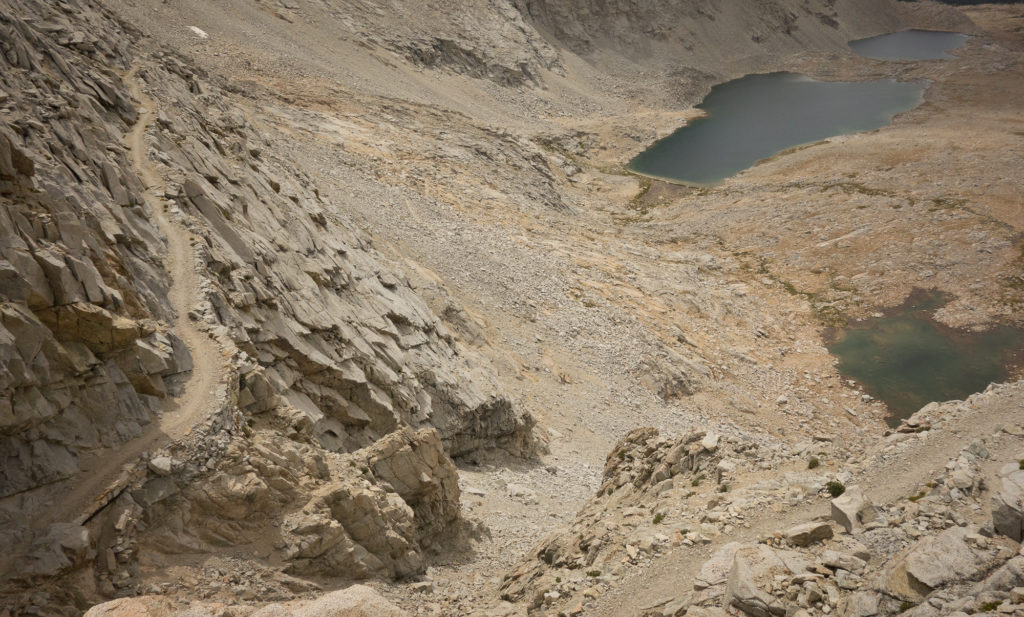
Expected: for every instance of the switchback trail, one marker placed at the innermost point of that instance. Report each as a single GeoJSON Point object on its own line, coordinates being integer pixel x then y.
{"type": "Point", "coordinates": [198, 398]}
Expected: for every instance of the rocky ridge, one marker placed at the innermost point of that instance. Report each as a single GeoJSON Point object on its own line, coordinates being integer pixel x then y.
{"type": "Point", "coordinates": [320, 333]}
{"type": "Point", "coordinates": [950, 546]}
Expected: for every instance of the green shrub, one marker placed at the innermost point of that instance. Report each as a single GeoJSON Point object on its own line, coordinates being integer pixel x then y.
{"type": "Point", "coordinates": [906, 606]}
{"type": "Point", "coordinates": [723, 489]}
{"type": "Point", "coordinates": [593, 573]}
{"type": "Point", "coordinates": [813, 463]}
{"type": "Point", "coordinates": [1021, 464]}
{"type": "Point", "coordinates": [658, 518]}
{"type": "Point", "coordinates": [835, 488]}
{"type": "Point", "coordinates": [988, 607]}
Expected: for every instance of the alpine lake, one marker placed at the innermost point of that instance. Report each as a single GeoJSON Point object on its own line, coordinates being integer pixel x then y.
{"type": "Point", "coordinates": [905, 357]}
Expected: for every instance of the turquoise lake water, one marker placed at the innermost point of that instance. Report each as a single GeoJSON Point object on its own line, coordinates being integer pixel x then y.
{"type": "Point", "coordinates": [907, 360]}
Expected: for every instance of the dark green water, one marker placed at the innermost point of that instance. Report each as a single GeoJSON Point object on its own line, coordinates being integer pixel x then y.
{"type": "Point", "coordinates": [908, 360]}
{"type": "Point", "coordinates": [756, 116]}
{"type": "Point", "coordinates": [909, 45]}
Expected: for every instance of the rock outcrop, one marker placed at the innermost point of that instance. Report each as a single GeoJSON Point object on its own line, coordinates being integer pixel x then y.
{"type": "Point", "coordinates": [369, 513]}
{"type": "Point", "coordinates": [85, 352]}
{"type": "Point", "coordinates": [1008, 503]}
{"type": "Point", "coordinates": [331, 352]}
{"type": "Point", "coordinates": [650, 484]}
{"type": "Point", "coordinates": [325, 327]}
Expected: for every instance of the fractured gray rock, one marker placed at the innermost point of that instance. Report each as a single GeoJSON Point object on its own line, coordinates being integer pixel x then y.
{"type": "Point", "coordinates": [859, 604]}
{"type": "Point", "coordinates": [1008, 503]}
{"type": "Point", "coordinates": [808, 533]}
{"type": "Point", "coordinates": [743, 592]}
{"type": "Point", "coordinates": [935, 562]}
{"type": "Point", "coordinates": [853, 510]}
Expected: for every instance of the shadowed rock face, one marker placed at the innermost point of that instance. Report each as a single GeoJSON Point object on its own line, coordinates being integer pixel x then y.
{"type": "Point", "coordinates": [692, 31]}
{"type": "Point", "coordinates": [323, 334]}
{"type": "Point", "coordinates": [84, 359]}
{"type": "Point", "coordinates": [85, 344]}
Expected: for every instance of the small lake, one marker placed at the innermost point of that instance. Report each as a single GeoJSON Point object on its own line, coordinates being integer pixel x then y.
{"type": "Point", "coordinates": [757, 116]}
{"type": "Point", "coordinates": [906, 359]}
{"type": "Point", "coordinates": [910, 45]}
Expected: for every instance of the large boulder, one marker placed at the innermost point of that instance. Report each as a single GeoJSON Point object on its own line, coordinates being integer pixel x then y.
{"type": "Point", "coordinates": [952, 556]}
{"type": "Point", "coordinates": [60, 549]}
{"type": "Point", "coordinates": [859, 604]}
{"type": "Point", "coordinates": [808, 533]}
{"type": "Point", "coordinates": [356, 601]}
{"type": "Point", "coordinates": [754, 568]}
{"type": "Point", "coordinates": [1008, 503]}
{"type": "Point", "coordinates": [853, 510]}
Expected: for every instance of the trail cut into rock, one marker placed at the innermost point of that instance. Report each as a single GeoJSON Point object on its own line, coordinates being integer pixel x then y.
{"type": "Point", "coordinates": [198, 397]}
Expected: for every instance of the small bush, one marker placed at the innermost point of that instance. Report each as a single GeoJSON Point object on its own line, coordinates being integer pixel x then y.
{"type": "Point", "coordinates": [1021, 464]}
{"type": "Point", "coordinates": [906, 606]}
{"type": "Point", "coordinates": [835, 488]}
{"type": "Point", "coordinates": [988, 607]}
{"type": "Point", "coordinates": [593, 573]}
{"type": "Point", "coordinates": [558, 579]}
{"type": "Point", "coordinates": [918, 496]}
{"type": "Point", "coordinates": [813, 463]}
{"type": "Point", "coordinates": [658, 518]}
{"type": "Point", "coordinates": [696, 481]}
{"type": "Point", "coordinates": [723, 489]}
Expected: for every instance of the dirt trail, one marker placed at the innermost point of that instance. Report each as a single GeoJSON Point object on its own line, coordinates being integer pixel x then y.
{"type": "Point", "coordinates": [672, 575]}
{"type": "Point", "coordinates": [198, 397]}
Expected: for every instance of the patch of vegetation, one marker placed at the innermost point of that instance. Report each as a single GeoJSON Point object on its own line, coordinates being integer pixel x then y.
{"type": "Point", "coordinates": [593, 573]}
{"type": "Point", "coordinates": [813, 463]}
{"type": "Point", "coordinates": [906, 606]}
{"type": "Point", "coordinates": [637, 202]}
{"type": "Point", "coordinates": [919, 495]}
{"type": "Point", "coordinates": [790, 289]}
{"type": "Point", "coordinates": [723, 488]}
{"type": "Point", "coordinates": [851, 188]}
{"type": "Point", "coordinates": [988, 607]}
{"type": "Point", "coordinates": [947, 203]}
{"type": "Point", "coordinates": [1020, 464]}
{"type": "Point", "coordinates": [835, 488]}
{"type": "Point", "coordinates": [696, 481]}
{"type": "Point", "coordinates": [658, 518]}
{"type": "Point", "coordinates": [1014, 282]}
